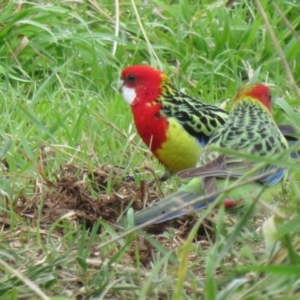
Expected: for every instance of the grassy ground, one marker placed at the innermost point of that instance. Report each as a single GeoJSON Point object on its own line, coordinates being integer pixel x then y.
{"type": "Point", "coordinates": [76, 162]}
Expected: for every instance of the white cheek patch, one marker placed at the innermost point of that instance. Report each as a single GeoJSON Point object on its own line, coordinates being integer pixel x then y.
{"type": "Point", "coordinates": [129, 94]}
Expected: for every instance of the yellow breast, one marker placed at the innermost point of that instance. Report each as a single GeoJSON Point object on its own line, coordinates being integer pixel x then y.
{"type": "Point", "coordinates": [180, 151]}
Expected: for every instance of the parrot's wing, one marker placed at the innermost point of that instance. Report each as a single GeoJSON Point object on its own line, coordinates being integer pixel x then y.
{"type": "Point", "coordinates": [225, 166]}
{"type": "Point", "coordinates": [287, 130]}
{"type": "Point", "coordinates": [222, 166]}
{"type": "Point", "coordinates": [197, 119]}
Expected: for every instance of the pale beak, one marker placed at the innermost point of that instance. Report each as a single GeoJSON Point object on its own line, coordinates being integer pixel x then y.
{"type": "Point", "coordinates": [120, 84]}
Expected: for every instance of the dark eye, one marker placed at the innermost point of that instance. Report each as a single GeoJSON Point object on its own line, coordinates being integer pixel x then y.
{"type": "Point", "coordinates": [270, 97]}
{"type": "Point", "coordinates": [130, 77]}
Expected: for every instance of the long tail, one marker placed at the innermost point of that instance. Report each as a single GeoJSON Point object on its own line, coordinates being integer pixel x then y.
{"type": "Point", "coordinates": [237, 200]}
{"type": "Point", "coordinates": [162, 210]}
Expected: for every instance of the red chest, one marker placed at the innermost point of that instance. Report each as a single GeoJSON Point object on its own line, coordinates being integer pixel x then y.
{"type": "Point", "coordinates": [150, 125]}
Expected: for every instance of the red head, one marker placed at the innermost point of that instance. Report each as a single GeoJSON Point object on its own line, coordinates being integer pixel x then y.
{"type": "Point", "coordinates": [141, 84]}
{"type": "Point", "coordinates": [258, 91]}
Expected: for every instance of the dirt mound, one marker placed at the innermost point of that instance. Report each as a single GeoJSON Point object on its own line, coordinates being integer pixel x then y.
{"type": "Point", "coordinates": [81, 195]}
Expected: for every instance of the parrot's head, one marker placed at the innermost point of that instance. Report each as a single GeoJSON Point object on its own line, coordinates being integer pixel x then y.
{"type": "Point", "coordinates": [257, 91]}
{"type": "Point", "coordinates": [141, 84]}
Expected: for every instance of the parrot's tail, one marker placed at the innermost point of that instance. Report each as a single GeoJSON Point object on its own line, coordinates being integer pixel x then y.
{"type": "Point", "coordinates": [170, 208]}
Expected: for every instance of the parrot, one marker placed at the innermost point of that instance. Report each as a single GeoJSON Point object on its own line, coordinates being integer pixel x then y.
{"type": "Point", "coordinates": [174, 126]}
{"type": "Point", "coordinates": [249, 129]}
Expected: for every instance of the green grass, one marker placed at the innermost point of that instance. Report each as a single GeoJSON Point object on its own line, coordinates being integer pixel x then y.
{"type": "Point", "coordinates": [60, 107]}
